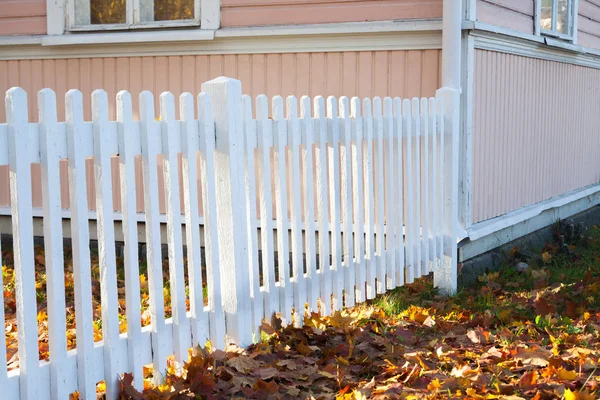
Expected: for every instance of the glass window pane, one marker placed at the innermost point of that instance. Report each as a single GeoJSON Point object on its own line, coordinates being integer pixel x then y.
{"type": "Point", "coordinates": [108, 11]}
{"type": "Point", "coordinates": [546, 17]}
{"type": "Point", "coordinates": [562, 17]}
{"type": "Point", "coordinates": [169, 10]}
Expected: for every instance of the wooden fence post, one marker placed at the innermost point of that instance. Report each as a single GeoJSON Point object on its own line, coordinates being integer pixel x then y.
{"type": "Point", "coordinates": [226, 94]}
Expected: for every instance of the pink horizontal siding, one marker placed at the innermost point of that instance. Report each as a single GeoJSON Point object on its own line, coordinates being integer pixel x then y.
{"type": "Point", "coordinates": [514, 14]}
{"type": "Point", "coordinates": [22, 17]}
{"type": "Point", "coordinates": [588, 34]}
{"type": "Point", "coordinates": [535, 131]}
{"type": "Point", "coordinates": [290, 12]}
{"type": "Point", "coordinates": [364, 74]}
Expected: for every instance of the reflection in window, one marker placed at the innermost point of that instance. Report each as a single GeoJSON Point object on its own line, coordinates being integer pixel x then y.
{"type": "Point", "coordinates": [169, 10]}
{"type": "Point", "coordinates": [556, 17]}
{"type": "Point", "coordinates": [108, 12]}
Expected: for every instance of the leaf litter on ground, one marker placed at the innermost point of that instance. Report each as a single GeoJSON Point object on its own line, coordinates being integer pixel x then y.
{"type": "Point", "coordinates": [530, 334]}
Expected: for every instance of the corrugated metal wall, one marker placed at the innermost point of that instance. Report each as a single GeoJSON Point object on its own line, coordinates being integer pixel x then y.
{"type": "Point", "coordinates": [536, 131]}
{"type": "Point", "coordinates": [364, 74]}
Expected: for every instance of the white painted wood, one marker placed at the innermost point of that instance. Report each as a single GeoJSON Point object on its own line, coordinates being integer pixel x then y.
{"type": "Point", "coordinates": [80, 242]}
{"type": "Point", "coordinates": [308, 141]}
{"type": "Point", "coordinates": [417, 186]}
{"type": "Point", "coordinates": [55, 17]}
{"type": "Point", "coordinates": [265, 142]}
{"type": "Point", "coordinates": [150, 143]}
{"type": "Point", "coordinates": [425, 211]}
{"type": "Point", "coordinates": [106, 241]}
{"type": "Point", "coordinates": [357, 200]}
{"type": "Point", "coordinates": [434, 183]}
{"type": "Point", "coordinates": [325, 278]}
{"type": "Point", "coordinates": [250, 184]}
{"type": "Point", "coordinates": [190, 144]}
{"type": "Point", "coordinates": [53, 242]}
{"type": "Point", "coordinates": [210, 13]}
{"type": "Point", "coordinates": [369, 199]}
{"type": "Point", "coordinates": [441, 218]}
{"type": "Point", "coordinates": [333, 159]}
{"type": "Point", "coordinates": [407, 124]}
{"type": "Point", "coordinates": [226, 95]}
{"type": "Point", "coordinates": [294, 142]}
{"type": "Point", "coordinates": [379, 196]}
{"type": "Point", "coordinates": [281, 204]}
{"type": "Point", "coordinates": [22, 222]}
{"type": "Point", "coordinates": [129, 147]}
{"type": "Point", "coordinates": [346, 202]}
{"type": "Point", "coordinates": [171, 139]}
{"type": "Point", "coordinates": [211, 228]}
{"type": "Point", "coordinates": [399, 205]}
{"type": "Point", "coordinates": [446, 279]}
{"type": "Point", "coordinates": [390, 194]}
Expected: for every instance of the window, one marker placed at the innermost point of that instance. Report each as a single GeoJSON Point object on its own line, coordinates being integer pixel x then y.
{"type": "Point", "coordinates": [132, 14]}
{"type": "Point", "coordinates": [557, 18]}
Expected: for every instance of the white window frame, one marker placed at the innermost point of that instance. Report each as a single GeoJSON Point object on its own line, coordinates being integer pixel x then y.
{"type": "Point", "coordinates": [572, 17]}
{"type": "Point", "coordinates": [61, 17]}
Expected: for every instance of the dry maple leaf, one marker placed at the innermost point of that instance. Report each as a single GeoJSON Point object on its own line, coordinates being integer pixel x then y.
{"type": "Point", "coordinates": [536, 357]}
{"type": "Point", "coordinates": [243, 364]}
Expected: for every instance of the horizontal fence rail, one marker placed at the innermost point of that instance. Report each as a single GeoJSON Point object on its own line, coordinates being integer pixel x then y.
{"type": "Point", "coordinates": [270, 208]}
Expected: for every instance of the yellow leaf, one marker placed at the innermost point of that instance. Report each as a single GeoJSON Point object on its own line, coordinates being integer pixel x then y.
{"type": "Point", "coordinates": [566, 375]}
{"type": "Point", "coordinates": [570, 395]}
{"type": "Point", "coordinates": [546, 257]}
{"type": "Point", "coordinates": [434, 385]}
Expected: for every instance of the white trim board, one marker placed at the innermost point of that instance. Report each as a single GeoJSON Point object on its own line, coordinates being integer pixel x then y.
{"type": "Point", "coordinates": [392, 40]}
{"type": "Point", "coordinates": [487, 235]}
{"type": "Point", "coordinates": [511, 42]}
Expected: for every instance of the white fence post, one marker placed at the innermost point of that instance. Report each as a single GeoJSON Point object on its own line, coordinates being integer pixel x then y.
{"type": "Point", "coordinates": [226, 94]}
{"type": "Point", "coordinates": [446, 278]}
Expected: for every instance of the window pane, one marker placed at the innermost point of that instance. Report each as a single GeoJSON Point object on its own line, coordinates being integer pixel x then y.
{"type": "Point", "coordinates": [546, 19]}
{"type": "Point", "coordinates": [108, 11]}
{"type": "Point", "coordinates": [168, 10]}
{"type": "Point", "coordinates": [562, 17]}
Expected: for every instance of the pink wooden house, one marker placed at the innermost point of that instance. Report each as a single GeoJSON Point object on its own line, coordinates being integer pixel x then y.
{"type": "Point", "coordinates": [529, 73]}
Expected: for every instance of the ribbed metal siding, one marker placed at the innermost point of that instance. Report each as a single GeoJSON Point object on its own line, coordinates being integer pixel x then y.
{"type": "Point", "coordinates": [536, 131]}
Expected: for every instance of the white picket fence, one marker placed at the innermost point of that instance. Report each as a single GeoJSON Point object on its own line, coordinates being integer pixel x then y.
{"type": "Point", "coordinates": [370, 187]}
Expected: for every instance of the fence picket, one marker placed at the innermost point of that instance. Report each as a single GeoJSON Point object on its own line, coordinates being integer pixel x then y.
{"type": "Point", "coordinates": [250, 176]}
{"type": "Point", "coordinates": [346, 195]}
{"type": "Point", "coordinates": [22, 222]}
{"type": "Point", "coordinates": [265, 142]}
{"type": "Point", "coordinates": [171, 139]}
{"type": "Point", "coordinates": [53, 242]}
{"type": "Point", "coordinates": [281, 200]}
{"type": "Point", "coordinates": [294, 141]}
{"type": "Point", "coordinates": [357, 199]}
{"type": "Point", "coordinates": [409, 202]}
{"type": "Point", "coordinates": [390, 190]}
{"type": "Point", "coordinates": [417, 186]}
{"type": "Point", "coordinates": [189, 148]}
{"type": "Point", "coordinates": [379, 194]}
{"type": "Point", "coordinates": [80, 242]}
{"type": "Point", "coordinates": [308, 140]}
{"type": "Point", "coordinates": [369, 200]}
{"type": "Point", "coordinates": [325, 278]}
{"type": "Point", "coordinates": [129, 146]}
{"type": "Point", "coordinates": [333, 158]}
{"type": "Point", "coordinates": [400, 247]}
{"type": "Point", "coordinates": [106, 240]}
{"type": "Point", "coordinates": [442, 186]}
{"type": "Point", "coordinates": [425, 129]}
{"type": "Point", "coordinates": [209, 205]}
{"type": "Point", "coordinates": [150, 141]}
